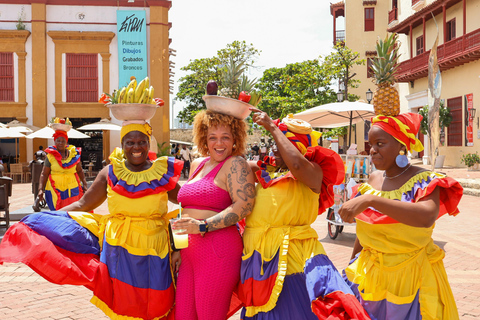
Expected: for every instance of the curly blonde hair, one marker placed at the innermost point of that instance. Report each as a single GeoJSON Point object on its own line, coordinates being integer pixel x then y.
{"type": "Point", "coordinates": [208, 119]}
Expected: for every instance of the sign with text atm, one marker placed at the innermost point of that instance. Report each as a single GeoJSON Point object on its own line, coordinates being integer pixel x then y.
{"type": "Point", "coordinates": [132, 46]}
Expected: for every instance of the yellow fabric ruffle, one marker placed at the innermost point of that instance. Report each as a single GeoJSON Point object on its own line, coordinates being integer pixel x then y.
{"type": "Point", "coordinates": [365, 188]}
{"type": "Point", "coordinates": [156, 171]}
{"type": "Point", "coordinates": [112, 315]}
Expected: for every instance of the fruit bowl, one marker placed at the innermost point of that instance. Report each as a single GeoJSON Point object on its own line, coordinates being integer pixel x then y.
{"type": "Point", "coordinates": [133, 111]}
{"type": "Point", "coordinates": [60, 126]}
{"type": "Point", "coordinates": [231, 107]}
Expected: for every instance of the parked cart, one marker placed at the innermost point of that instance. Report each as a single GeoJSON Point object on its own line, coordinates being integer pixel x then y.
{"type": "Point", "coordinates": [357, 170]}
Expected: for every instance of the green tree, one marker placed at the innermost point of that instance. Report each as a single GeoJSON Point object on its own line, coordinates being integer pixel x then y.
{"type": "Point", "coordinates": [341, 61]}
{"type": "Point", "coordinates": [295, 87]}
{"type": "Point", "coordinates": [192, 86]}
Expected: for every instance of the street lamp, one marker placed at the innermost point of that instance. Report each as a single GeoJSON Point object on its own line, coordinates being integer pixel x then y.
{"type": "Point", "coordinates": [340, 96]}
{"type": "Point", "coordinates": [369, 95]}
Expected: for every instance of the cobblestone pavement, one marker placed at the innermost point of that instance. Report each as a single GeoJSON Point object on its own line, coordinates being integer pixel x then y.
{"type": "Point", "coordinates": [24, 295]}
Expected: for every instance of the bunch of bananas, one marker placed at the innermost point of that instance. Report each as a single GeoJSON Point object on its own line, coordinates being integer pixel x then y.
{"type": "Point", "coordinates": [133, 93]}
{"type": "Point", "coordinates": [255, 99]}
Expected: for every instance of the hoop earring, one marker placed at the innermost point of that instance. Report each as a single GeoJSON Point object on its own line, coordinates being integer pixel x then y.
{"type": "Point", "coordinates": [401, 160]}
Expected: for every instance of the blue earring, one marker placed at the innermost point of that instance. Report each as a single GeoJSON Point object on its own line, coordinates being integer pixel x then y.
{"type": "Point", "coordinates": [401, 159]}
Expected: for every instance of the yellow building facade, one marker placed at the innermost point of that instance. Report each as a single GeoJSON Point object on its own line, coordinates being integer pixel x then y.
{"type": "Point", "coordinates": [54, 29]}
{"type": "Point", "coordinates": [458, 58]}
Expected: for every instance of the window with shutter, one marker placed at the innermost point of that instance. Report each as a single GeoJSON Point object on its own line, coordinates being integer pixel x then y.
{"type": "Point", "coordinates": [369, 19]}
{"type": "Point", "coordinates": [82, 77]}
{"type": "Point", "coordinates": [451, 33]}
{"type": "Point", "coordinates": [420, 48]}
{"type": "Point", "coordinates": [454, 137]}
{"type": "Point", "coordinates": [7, 88]}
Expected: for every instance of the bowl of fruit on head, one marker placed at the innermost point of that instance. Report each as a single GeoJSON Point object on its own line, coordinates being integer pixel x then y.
{"type": "Point", "coordinates": [230, 102]}
{"type": "Point", "coordinates": [61, 124]}
{"type": "Point", "coordinates": [133, 102]}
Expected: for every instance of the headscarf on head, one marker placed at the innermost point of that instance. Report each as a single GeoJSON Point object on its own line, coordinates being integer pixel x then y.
{"type": "Point", "coordinates": [60, 133]}
{"type": "Point", "coordinates": [144, 128]}
{"type": "Point", "coordinates": [299, 132]}
{"type": "Point", "coordinates": [403, 128]}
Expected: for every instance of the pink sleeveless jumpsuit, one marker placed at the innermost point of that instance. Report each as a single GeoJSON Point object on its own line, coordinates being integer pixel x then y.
{"type": "Point", "coordinates": [210, 268]}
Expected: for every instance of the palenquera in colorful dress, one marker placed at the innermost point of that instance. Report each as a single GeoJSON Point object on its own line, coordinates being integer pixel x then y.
{"type": "Point", "coordinates": [399, 274]}
{"type": "Point", "coordinates": [63, 184]}
{"type": "Point", "coordinates": [128, 271]}
{"type": "Point", "coordinates": [62, 171]}
{"type": "Point", "coordinates": [397, 271]}
{"type": "Point", "coordinates": [285, 272]}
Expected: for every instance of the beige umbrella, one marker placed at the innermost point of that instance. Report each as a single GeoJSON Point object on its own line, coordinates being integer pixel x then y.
{"type": "Point", "coordinates": [10, 133]}
{"type": "Point", "coordinates": [47, 133]}
{"type": "Point", "coordinates": [103, 124]}
{"type": "Point", "coordinates": [22, 127]}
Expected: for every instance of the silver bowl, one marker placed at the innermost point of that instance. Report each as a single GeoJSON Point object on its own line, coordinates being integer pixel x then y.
{"type": "Point", "coordinates": [60, 126]}
{"type": "Point", "coordinates": [133, 111]}
{"type": "Point", "coordinates": [231, 107]}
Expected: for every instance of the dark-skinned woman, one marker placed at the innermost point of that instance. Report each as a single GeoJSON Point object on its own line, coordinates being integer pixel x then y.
{"type": "Point", "coordinates": [285, 272]}
{"type": "Point", "coordinates": [62, 173]}
{"type": "Point", "coordinates": [397, 271]}
{"type": "Point", "coordinates": [123, 257]}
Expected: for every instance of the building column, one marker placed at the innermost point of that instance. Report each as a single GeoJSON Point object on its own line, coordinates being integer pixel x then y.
{"type": "Point", "coordinates": [159, 68]}
{"type": "Point", "coordinates": [424, 35]}
{"type": "Point", "coordinates": [411, 42]}
{"type": "Point", "coordinates": [334, 27]}
{"type": "Point", "coordinates": [39, 68]}
{"type": "Point", "coordinates": [22, 97]}
{"type": "Point", "coordinates": [444, 12]}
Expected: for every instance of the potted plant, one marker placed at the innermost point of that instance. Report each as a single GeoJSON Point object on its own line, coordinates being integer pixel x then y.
{"type": "Point", "coordinates": [471, 160]}
{"type": "Point", "coordinates": [445, 118]}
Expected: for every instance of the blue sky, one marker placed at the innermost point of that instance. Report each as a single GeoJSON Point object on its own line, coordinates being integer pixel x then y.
{"type": "Point", "coordinates": [285, 31]}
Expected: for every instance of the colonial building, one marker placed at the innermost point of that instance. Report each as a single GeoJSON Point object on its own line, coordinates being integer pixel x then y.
{"type": "Point", "coordinates": [418, 22]}
{"type": "Point", "coordinates": [58, 56]}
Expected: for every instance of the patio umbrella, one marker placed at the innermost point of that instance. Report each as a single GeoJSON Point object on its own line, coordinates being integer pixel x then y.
{"type": "Point", "coordinates": [103, 124]}
{"type": "Point", "coordinates": [10, 133]}
{"type": "Point", "coordinates": [47, 133]}
{"type": "Point", "coordinates": [337, 114]}
{"type": "Point", "coordinates": [21, 126]}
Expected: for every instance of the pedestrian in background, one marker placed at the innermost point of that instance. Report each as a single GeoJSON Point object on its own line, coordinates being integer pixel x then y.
{"type": "Point", "coordinates": [186, 157]}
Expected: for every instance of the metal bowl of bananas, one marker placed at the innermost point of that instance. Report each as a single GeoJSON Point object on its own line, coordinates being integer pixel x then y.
{"type": "Point", "coordinates": [133, 111]}
{"type": "Point", "coordinates": [228, 106]}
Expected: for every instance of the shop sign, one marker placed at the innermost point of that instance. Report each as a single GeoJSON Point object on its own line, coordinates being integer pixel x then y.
{"type": "Point", "coordinates": [132, 46]}
{"type": "Point", "coordinates": [468, 120]}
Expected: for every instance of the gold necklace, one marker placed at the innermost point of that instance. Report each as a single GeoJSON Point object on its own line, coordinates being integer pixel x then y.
{"type": "Point", "coordinates": [398, 175]}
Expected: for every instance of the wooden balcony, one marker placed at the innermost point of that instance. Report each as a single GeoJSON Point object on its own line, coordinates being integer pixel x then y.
{"type": "Point", "coordinates": [392, 15]}
{"type": "Point", "coordinates": [449, 55]}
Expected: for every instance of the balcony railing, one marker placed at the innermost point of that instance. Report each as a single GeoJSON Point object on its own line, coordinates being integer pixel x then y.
{"type": "Point", "coordinates": [449, 55]}
{"type": "Point", "coordinates": [339, 36]}
{"type": "Point", "coordinates": [392, 15]}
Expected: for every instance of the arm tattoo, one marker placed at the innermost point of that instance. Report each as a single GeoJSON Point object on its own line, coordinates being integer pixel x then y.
{"type": "Point", "coordinates": [217, 223]}
{"type": "Point", "coordinates": [239, 166]}
{"type": "Point", "coordinates": [247, 192]}
{"type": "Point", "coordinates": [230, 186]}
{"type": "Point", "coordinates": [246, 210]}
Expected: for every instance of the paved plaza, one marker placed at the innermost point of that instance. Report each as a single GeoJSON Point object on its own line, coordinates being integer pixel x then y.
{"type": "Point", "coordinates": [24, 295]}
